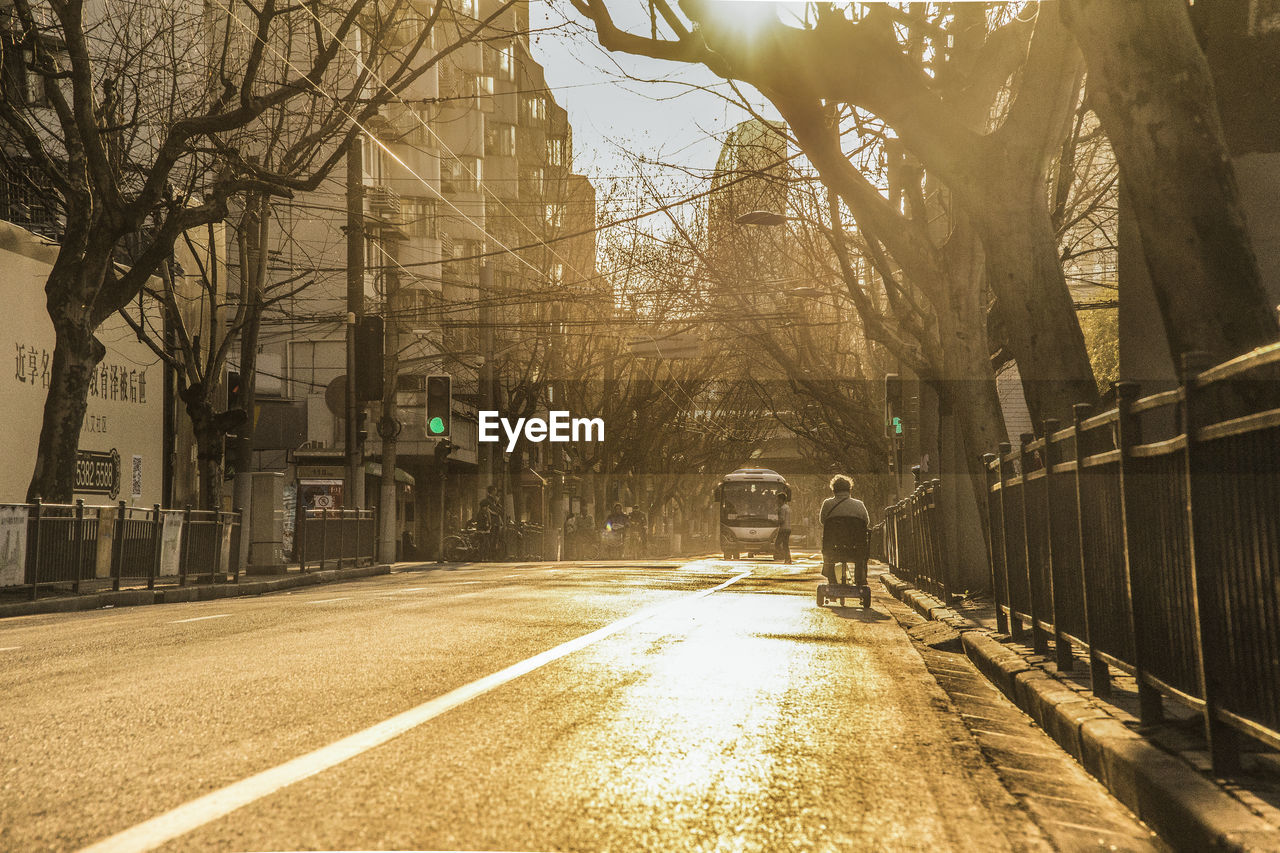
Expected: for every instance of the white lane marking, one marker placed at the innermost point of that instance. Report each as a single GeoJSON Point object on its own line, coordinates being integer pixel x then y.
{"type": "Point", "coordinates": [10, 648]}
{"type": "Point", "coordinates": [199, 618]}
{"type": "Point", "coordinates": [192, 815]}
{"type": "Point", "coordinates": [330, 600]}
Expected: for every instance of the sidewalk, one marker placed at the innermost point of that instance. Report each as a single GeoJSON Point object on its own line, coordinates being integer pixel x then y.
{"type": "Point", "coordinates": [1161, 773]}
{"type": "Point", "coordinates": [167, 591]}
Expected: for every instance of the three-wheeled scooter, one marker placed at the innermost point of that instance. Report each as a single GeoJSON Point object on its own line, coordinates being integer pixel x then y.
{"type": "Point", "coordinates": [845, 540]}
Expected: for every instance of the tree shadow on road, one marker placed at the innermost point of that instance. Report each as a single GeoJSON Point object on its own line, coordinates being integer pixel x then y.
{"type": "Point", "coordinates": [857, 614]}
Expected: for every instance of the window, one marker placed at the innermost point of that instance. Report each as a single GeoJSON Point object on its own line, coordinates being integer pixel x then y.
{"type": "Point", "coordinates": [533, 179]}
{"type": "Point", "coordinates": [460, 175]}
{"type": "Point", "coordinates": [535, 108]}
{"type": "Point", "coordinates": [419, 216]}
{"type": "Point", "coordinates": [484, 84]}
{"type": "Point", "coordinates": [500, 140]}
{"type": "Point", "coordinates": [499, 61]}
{"type": "Point", "coordinates": [555, 151]}
{"type": "Point", "coordinates": [507, 62]}
{"type": "Point", "coordinates": [555, 215]}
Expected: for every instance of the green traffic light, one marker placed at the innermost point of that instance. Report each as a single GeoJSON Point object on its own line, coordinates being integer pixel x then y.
{"type": "Point", "coordinates": [897, 426]}
{"type": "Point", "coordinates": [436, 425]}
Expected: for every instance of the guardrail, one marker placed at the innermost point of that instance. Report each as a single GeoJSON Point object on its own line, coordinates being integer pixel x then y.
{"type": "Point", "coordinates": [1148, 536]}
{"type": "Point", "coordinates": [69, 545]}
{"type": "Point", "coordinates": [910, 539]}
{"type": "Point", "coordinates": [347, 536]}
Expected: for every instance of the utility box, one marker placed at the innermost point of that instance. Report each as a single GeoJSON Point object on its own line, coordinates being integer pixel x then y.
{"type": "Point", "coordinates": [266, 523]}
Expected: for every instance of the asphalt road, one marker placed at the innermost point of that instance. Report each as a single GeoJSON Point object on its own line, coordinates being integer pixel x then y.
{"type": "Point", "coordinates": [703, 706]}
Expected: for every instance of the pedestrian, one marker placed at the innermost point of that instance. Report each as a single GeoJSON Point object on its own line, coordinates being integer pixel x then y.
{"type": "Point", "coordinates": [844, 522]}
{"type": "Point", "coordinates": [782, 545]}
{"type": "Point", "coordinates": [639, 522]}
{"type": "Point", "coordinates": [489, 524]}
{"type": "Point", "coordinates": [570, 535]}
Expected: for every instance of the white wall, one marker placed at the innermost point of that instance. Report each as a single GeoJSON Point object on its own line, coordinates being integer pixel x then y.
{"type": "Point", "coordinates": [125, 413]}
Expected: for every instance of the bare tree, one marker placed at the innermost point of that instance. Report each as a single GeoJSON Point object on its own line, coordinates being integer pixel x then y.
{"type": "Point", "coordinates": [151, 118]}
{"type": "Point", "coordinates": [941, 81]}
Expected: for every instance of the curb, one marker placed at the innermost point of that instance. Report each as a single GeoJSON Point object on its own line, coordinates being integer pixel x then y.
{"type": "Point", "coordinates": [172, 595]}
{"type": "Point", "coordinates": [1186, 809]}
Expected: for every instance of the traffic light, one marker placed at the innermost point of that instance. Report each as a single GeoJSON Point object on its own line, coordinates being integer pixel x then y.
{"type": "Point", "coordinates": [439, 406]}
{"type": "Point", "coordinates": [893, 405]}
{"type": "Point", "coordinates": [369, 358]}
{"type": "Point", "coordinates": [233, 388]}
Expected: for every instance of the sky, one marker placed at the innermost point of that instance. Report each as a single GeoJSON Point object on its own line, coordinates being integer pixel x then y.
{"type": "Point", "coordinates": [612, 115]}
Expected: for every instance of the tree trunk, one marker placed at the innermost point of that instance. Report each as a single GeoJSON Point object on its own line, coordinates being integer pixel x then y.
{"type": "Point", "coordinates": [1151, 86]}
{"type": "Point", "coordinates": [968, 399]}
{"type": "Point", "coordinates": [1034, 306]}
{"type": "Point", "coordinates": [76, 355]}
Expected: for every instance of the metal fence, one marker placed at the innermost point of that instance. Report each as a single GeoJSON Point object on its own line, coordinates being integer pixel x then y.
{"type": "Point", "coordinates": [72, 545]}
{"type": "Point", "coordinates": [343, 536]}
{"type": "Point", "coordinates": [910, 539]}
{"type": "Point", "coordinates": [1148, 537]}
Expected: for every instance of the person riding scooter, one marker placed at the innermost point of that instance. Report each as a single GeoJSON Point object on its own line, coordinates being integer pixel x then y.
{"type": "Point", "coordinates": [844, 521]}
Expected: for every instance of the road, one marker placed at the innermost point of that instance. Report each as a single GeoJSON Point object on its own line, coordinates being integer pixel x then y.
{"type": "Point", "coordinates": [698, 706]}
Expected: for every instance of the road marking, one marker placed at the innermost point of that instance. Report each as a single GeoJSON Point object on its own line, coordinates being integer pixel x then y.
{"type": "Point", "coordinates": [10, 648]}
{"type": "Point", "coordinates": [199, 618]}
{"type": "Point", "coordinates": [162, 829]}
{"type": "Point", "coordinates": [330, 600]}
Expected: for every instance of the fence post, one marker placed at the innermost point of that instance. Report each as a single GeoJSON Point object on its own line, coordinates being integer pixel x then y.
{"type": "Point", "coordinates": [34, 514]}
{"type": "Point", "coordinates": [117, 546]}
{"type": "Point", "coordinates": [1099, 674]}
{"type": "Point", "coordinates": [324, 537]}
{"type": "Point", "coordinates": [342, 535]}
{"type": "Point", "coordinates": [185, 552]}
{"type": "Point", "coordinates": [1014, 622]}
{"type": "Point", "coordinates": [1002, 624]}
{"type": "Point", "coordinates": [1039, 638]}
{"type": "Point", "coordinates": [356, 561]}
{"type": "Point", "coordinates": [153, 566]}
{"type": "Point", "coordinates": [1063, 657]}
{"type": "Point", "coordinates": [1129, 425]}
{"type": "Point", "coordinates": [79, 552]}
{"type": "Point", "coordinates": [1224, 743]}
{"type": "Point", "coordinates": [240, 532]}
{"type": "Point", "coordinates": [299, 525]}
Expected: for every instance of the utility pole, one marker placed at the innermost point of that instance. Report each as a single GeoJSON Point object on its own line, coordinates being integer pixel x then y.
{"type": "Point", "coordinates": [353, 498]}
{"type": "Point", "coordinates": [389, 424]}
{"type": "Point", "coordinates": [254, 270]}
{"type": "Point", "coordinates": [488, 393]}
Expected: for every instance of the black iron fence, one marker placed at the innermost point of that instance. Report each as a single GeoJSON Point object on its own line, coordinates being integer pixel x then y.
{"type": "Point", "coordinates": [910, 539]}
{"type": "Point", "coordinates": [1148, 537]}
{"type": "Point", "coordinates": [44, 546]}
{"type": "Point", "coordinates": [341, 536]}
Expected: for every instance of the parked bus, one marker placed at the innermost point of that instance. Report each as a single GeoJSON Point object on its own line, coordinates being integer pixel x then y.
{"type": "Point", "coordinates": [748, 501]}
